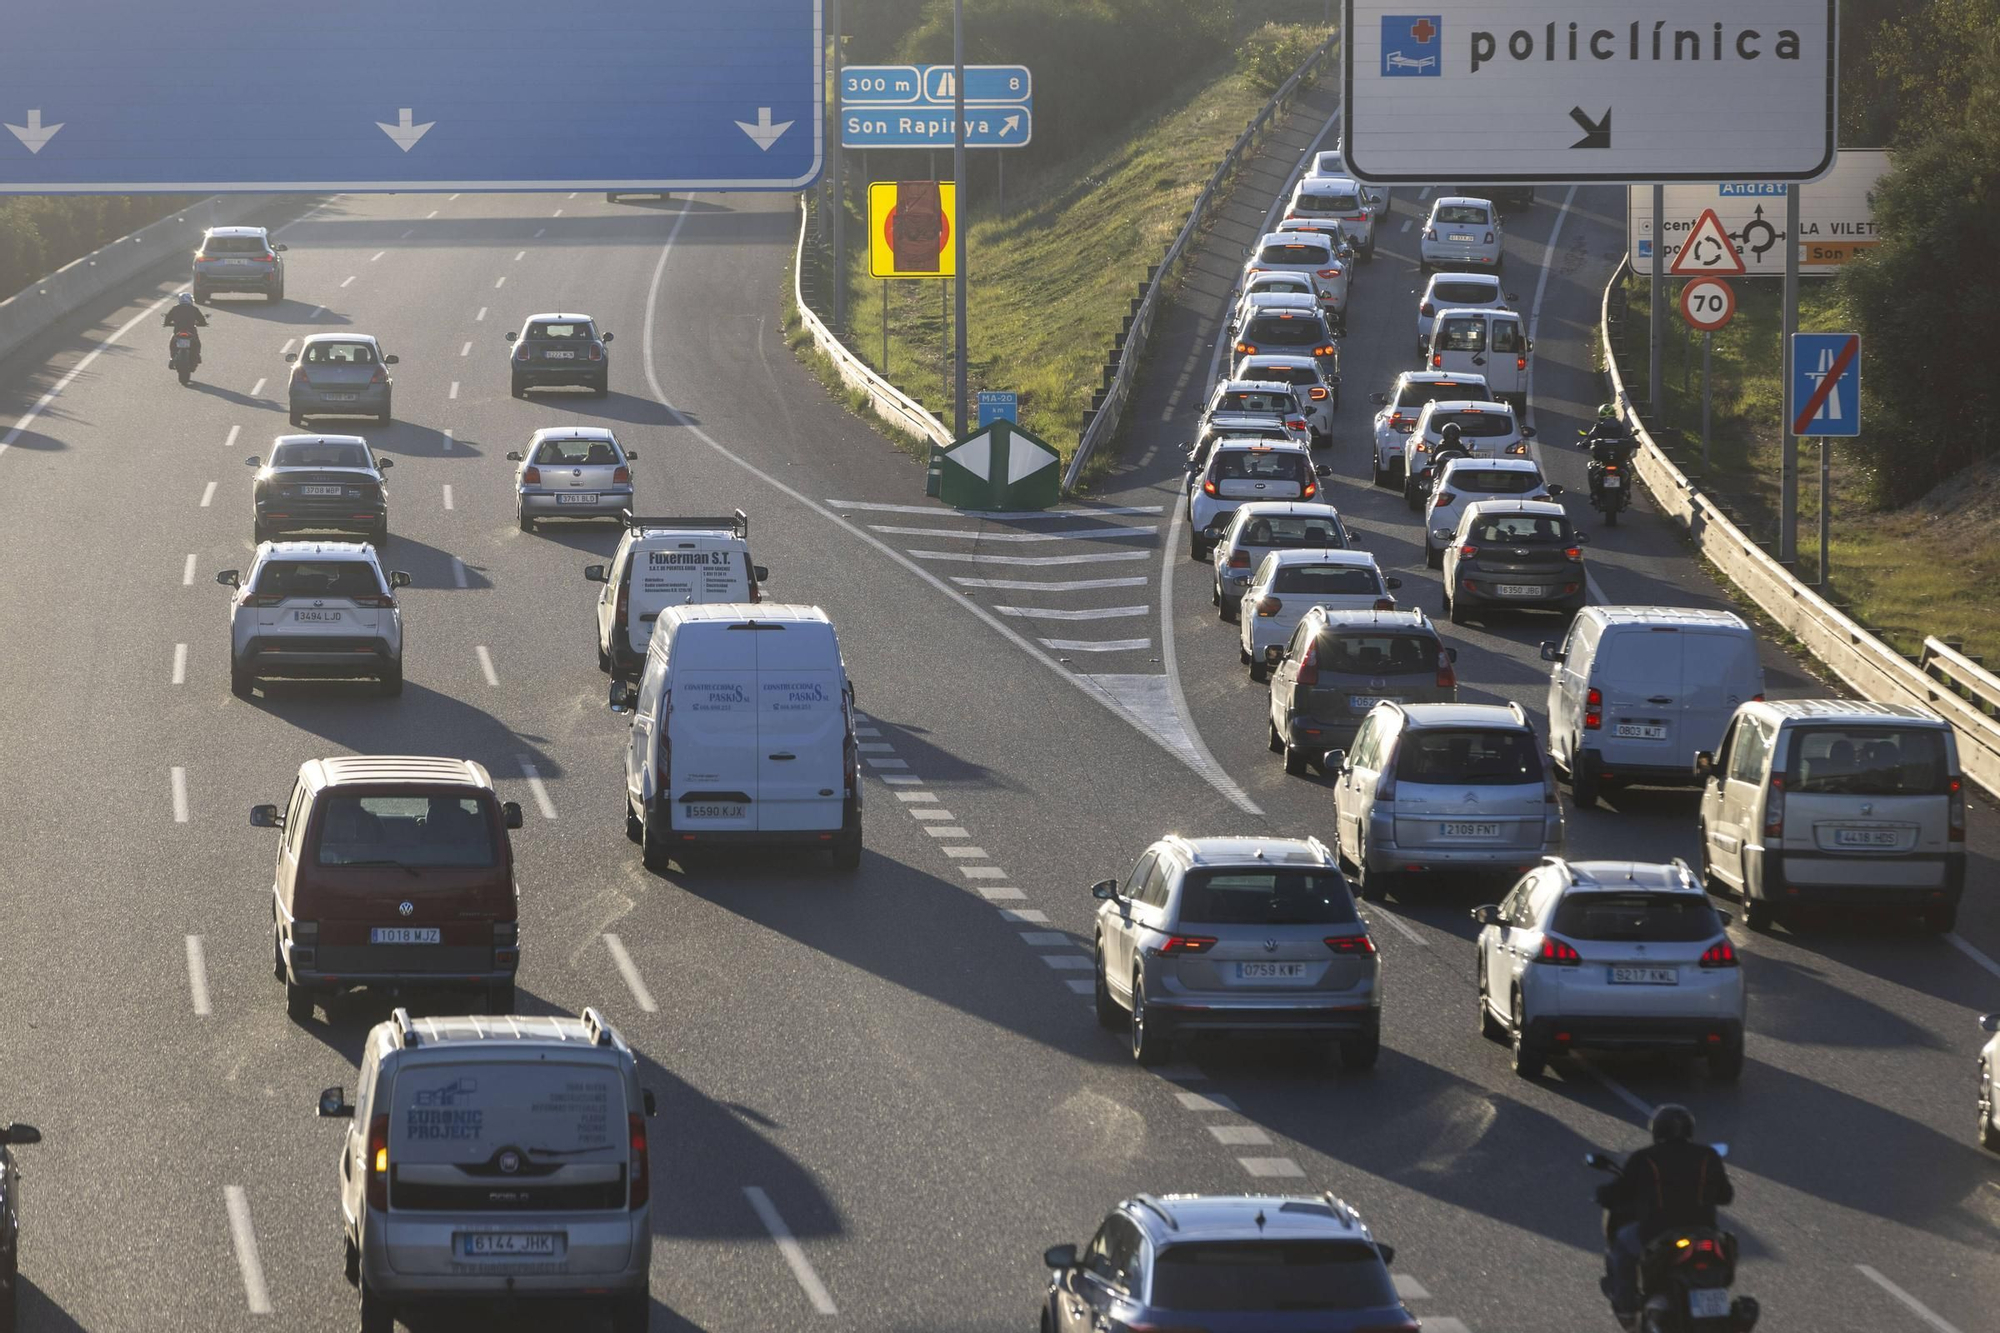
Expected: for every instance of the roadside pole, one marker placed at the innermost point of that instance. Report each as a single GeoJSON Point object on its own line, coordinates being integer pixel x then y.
{"type": "Point", "coordinates": [1657, 303]}
{"type": "Point", "coordinates": [1788, 472]}
{"type": "Point", "coordinates": [839, 195]}
{"type": "Point", "coordinates": [964, 200]}
{"type": "Point", "coordinates": [1707, 347]}
{"type": "Point", "coordinates": [1825, 486]}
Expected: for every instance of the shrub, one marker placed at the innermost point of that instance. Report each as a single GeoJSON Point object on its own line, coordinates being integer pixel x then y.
{"type": "Point", "coordinates": [1274, 51]}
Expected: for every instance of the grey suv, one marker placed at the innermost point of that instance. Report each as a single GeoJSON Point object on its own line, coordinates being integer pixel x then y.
{"type": "Point", "coordinates": [1236, 935]}
{"type": "Point", "coordinates": [1226, 1261]}
{"type": "Point", "coordinates": [238, 259]}
{"type": "Point", "coordinates": [1338, 665]}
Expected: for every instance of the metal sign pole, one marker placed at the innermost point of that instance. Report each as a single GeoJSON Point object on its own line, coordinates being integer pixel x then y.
{"type": "Point", "coordinates": [1788, 472]}
{"type": "Point", "coordinates": [885, 329]}
{"type": "Point", "coordinates": [964, 196]}
{"type": "Point", "coordinates": [1825, 506]}
{"type": "Point", "coordinates": [1707, 346]}
{"type": "Point", "coordinates": [839, 195]}
{"type": "Point", "coordinates": [1658, 304]}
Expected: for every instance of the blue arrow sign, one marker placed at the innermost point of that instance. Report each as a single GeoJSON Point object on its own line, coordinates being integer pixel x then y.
{"type": "Point", "coordinates": [135, 95]}
{"type": "Point", "coordinates": [931, 127]}
{"type": "Point", "coordinates": [911, 106]}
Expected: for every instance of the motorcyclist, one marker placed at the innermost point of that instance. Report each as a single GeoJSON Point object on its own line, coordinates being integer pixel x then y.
{"type": "Point", "coordinates": [1610, 444]}
{"type": "Point", "coordinates": [1675, 1183]}
{"type": "Point", "coordinates": [184, 314]}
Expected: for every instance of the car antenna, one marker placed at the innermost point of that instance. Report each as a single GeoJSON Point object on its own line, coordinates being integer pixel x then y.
{"type": "Point", "coordinates": [1260, 1220]}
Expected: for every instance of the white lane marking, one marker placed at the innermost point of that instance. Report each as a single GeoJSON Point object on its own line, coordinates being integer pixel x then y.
{"type": "Point", "coordinates": [452, 199]}
{"type": "Point", "coordinates": [480, 316]}
{"type": "Point", "coordinates": [287, 347]}
{"type": "Point", "coordinates": [178, 779]}
{"type": "Point", "coordinates": [873, 747]}
{"type": "Point", "coordinates": [1424, 193]}
{"type": "Point", "coordinates": [187, 573]}
{"type": "Point", "coordinates": [1085, 613]}
{"type": "Point", "coordinates": [1081, 985]}
{"type": "Point", "coordinates": [541, 232]}
{"type": "Point", "coordinates": [197, 976]}
{"type": "Point", "coordinates": [1202, 1101]}
{"type": "Point", "coordinates": [943, 831]}
{"type": "Point", "coordinates": [428, 216]}
{"type": "Point", "coordinates": [1181, 1074]}
{"type": "Point", "coordinates": [966, 853]}
{"type": "Point", "coordinates": [457, 573]}
{"type": "Point", "coordinates": [500, 281]}
{"type": "Point", "coordinates": [876, 761]}
{"type": "Point", "coordinates": [1043, 939]}
{"type": "Point", "coordinates": [379, 253]}
{"type": "Point", "coordinates": [537, 787]}
{"type": "Point", "coordinates": [1405, 227]}
{"type": "Point", "coordinates": [247, 1259]}
{"type": "Point", "coordinates": [916, 796]}
{"type": "Point", "coordinates": [467, 349]}
{"type": "Point", "coordinates": [572, 194]}
{"type": "Point", "coordinates": [180, 663]}
{"type": "Point", "coordinates": [1271, 1168]}
{"type": "Point", "coordinates": [933, 511]}
{"type": "Point", "coordinates": [522, 254]}
{"type": "Point", "coordinates": [350, 278]}
{"type": "Point", "coordinates": [1000, 893]}
{"type": "Point", "coordinates": [257, 388]}
{"type": "Point", "coordinates": [795, 1255]}
{"type": "Point", "coordinates": [408, 233]}
{"type": "Point", "coordinates": [1619, 1090]}
{"type": "Point", "coordinates": [867, 731]}
{"type": "Point", "coordinates": [1049, 585]}
{"type": "Point", "coordinates": [1240, 1136]}
{"type": "Point", "coordinates": [983, 872]}
{"type": "Point", "coordinates": [449, 439]}
{"type": "Point", "coordinates": [1212, 773]}
{"type": "Point", "coordinates": [630, 972]}
{"type": "Point", "coordinates": [314, 313]}
{"type": "Point", "coordinates": [927, 811]}
{"type": "Point", "coordinates": [1409, 1288]}
{"type": "Point", "coordinates": [1098, 646]}
{"type": "Point", "coordinates": [454, 385]}
{"type": "Point", "coordinates": [447, 495]}
{"type": "Point", "coordinates": [1911, 1303]}
{"type": "Point", "coordinates": [20, 427]}
{"type": "Point", "coordinates": [1116, 533]}
{"type": "Point", "coordinates": [486, 665]}
{"type": "Point", "coordinates": [230, 442]}
{"type": "Point", "coordinates": [898, 777]}
{"type": "Point", "coordinates": [208, 495]}
{"type": "Point", "coordinates": [1067, 962]}
{"type": "Point", "coordinates": [558, 213]}
{"type": "Point", "coordinates": [1024, 915]}
{"type": "Point", "coordinates": [1958, 942]}
{"type": "Point", "coordinates": [1402, 928]}
{"type": "Point", "coordinates": [1082, 558]}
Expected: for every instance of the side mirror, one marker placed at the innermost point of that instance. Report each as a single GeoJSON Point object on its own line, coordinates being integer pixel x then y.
{"type": "Point", "coordinates": [20, 1135]}
{"type": "Point", "coordinates": [1442, 535]}
{"type": "Point", "coordinates": [1726, 918]}
{"type": "Point", "coordinates": [515, 456]}
{"type": "Point", "coordinates": [392, 360]}
{"type": "Point", "coordinates": [1990, 1023]}
{"type": "Point", "coordinates": [1060, 1257]}
{"type": "Point", "coordinates": [510, 335]}
{"type": "Point", "coordinates": [762, 572]}
{"type": "Point", "coordinates": [1487, 915]}
{"type": "Point", "coordinates": [266, 816]}
{"type": "Point", "coordinates": [1557, 488]}
{"type": "Point", "coordinates": [620, 698]}
{"type": "Point", "coordinates": [1215, 529]}
{"type": "Point", "coordinates": [291, 357]}
{"type": "Point", "coordinates": [605, 338]}
{"type": "Point", "coordinates": [1274, 654]}
{"type": "Point", "coordinates": [253, 461]}
{"type": "Point", "coordinates": [1451, 654]}
{"type": "Point", "coordinates": [1379, 399]}
{"type": "Point", "coordinates": [1388, 1253]}
{"type": "Point", "coordinates": [1721, 1149]}
{"type": "Point", "coordinates": [631, 455]}
{"type": "Point", "coordinates": [1600, 1161]}
{"type": "Point", "coordinates": [1527, 432]}
{"type": "Point", "coordinates": [510, 813]}
{"type": "Point", "coordinates": [384, 464]}
{"type": "Point", "coordinates": [646, 1100]}
{"type": "Point", "coordinates": [230, 578]}
{"type": "Point", "coordinates": [399, 578]}
{"type": "Point", "coordinates": [1392, 584]}
{"type": "Point", "coordinates": [280, 249]}
{"type": "Point", "coordinates": [333, 1104]}
{"type": "Point", "coordinates": [1550, 652]}
{"type": "Point", "coordinates": [1580, 538]}
{"type": "Point", "coordinates": [1322, 470]}
{"type": "Point", "coordinates": [1704, 763]}
{"type": "Point", "coordinates": [1334, 761]}
{"type": "Point", "coordinates": [595, 574]}
{"type": "Point", "coordinates": [1105, 890]}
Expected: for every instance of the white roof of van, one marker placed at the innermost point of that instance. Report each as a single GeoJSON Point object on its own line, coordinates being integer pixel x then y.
{"type": "Point", "coordinates": [743, 612]}
{"type": "Point", "coordinates": [1666, 615]}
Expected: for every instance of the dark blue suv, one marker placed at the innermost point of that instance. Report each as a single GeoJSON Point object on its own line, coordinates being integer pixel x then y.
{"type": "Point", "coordinates": [1226, 1263]}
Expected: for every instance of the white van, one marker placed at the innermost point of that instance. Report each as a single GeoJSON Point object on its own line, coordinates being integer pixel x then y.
{"type": "Point", "coordinates": [1637, 691]}
{"type": "Point", "coordinates": [1835, 802]}
{"type": "Point", "coordinates": [1493, 343]}
{"type": "Point", "coordinates": [663, 562]}
{"type": "Point", "coordinates": [743, 733]}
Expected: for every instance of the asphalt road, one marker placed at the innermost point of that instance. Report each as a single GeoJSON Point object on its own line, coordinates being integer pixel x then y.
{"type": "Point", "coordinates": [898, 1059]}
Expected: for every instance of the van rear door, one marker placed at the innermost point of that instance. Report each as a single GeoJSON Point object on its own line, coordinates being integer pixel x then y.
{"type": "Point", "coordinates": [711, 730]}
{"type": "Point", "coordinates": [802, 729]}
{"type": "Point", "coordinates": [1638, 667]}
{"type": "Point", "coordinates": [685, 571]}
{"type": "Point", "coordinates": [1719, 671]}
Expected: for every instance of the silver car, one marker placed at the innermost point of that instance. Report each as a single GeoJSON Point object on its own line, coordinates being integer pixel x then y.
{"type": "Point", "coordinates": [340, 375]}
{"type": "Point", "coordinates": [1236, 935]}
{"type": "Point", "coordinates": [571, 472]}
{"type": "Point", "coordinates": [314, 609]}
{"type": "Point", "coordinates": [238, 259]}
{"type": "Point", "coordinates": [1461, 232]}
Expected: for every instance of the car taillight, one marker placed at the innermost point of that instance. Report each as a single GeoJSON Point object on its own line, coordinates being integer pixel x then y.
{"type": "Point", "coordinates": [1774, 810]}
{"type": "Point", "coordinates": [642, 1175]}
{"type": "Point", "coordinates": [1317, 393]}
{"type": "Point", "coordinates": [1610, 467]}
{"type": "Point", "coordinates": [1325, 349]}
{"type": "Point", "coordinates": [622, 476]}
{"type": "Point", "coordinates": [1179, 944]}
{"type": "Point", "coordinates": [1430, 233]}
{"type": "Point", "coordinates": [375, 602]}
{"type": "Point", "coordinates": [1239, 560]}
{"type": "Point", "coordinates": [1444, 498]}
{"type": "Point", "coordinates": [624, 601]}
{"type": "Point", "coordinates": [1447, 677]}
{"type": "Point", "coordinates": [1558, 952]}
{"type": "Point", "coordinates": [1719, 954]}
{"type": "Point", "coordinates": [1269, 606]}
{"type": "Point", "coordinates": [1489, 238]}
{"type": "Point", "coordinates": [1295, 425]}
{"type": "Point", "coordinates": [1519, 451]}
{"type": "Point", "coordinates": [267, 259]}
{"type": "Point", "coordinates": [1208, 487]}
{"type": "Point", "coordinates": [378, 1162]}
{"type": "Point", "coordinates": [597, 351]}
{"type": "Point", "coordinates": [521, 352]}
{"type": "Point", "coordinates": [1437, 360]}
{"type": "Point", "coordinates": [531, 476]}
{"type": "Point", "coordinates": [381, 376]}
{"type": "Point", "coordinates": [1593, 710]}
{"type": "Point", "coordinates": [1248, 349]}
{"type": "Point", "coordinates": [1309, 665]}
{"type": "Point", "coordinates": [1398, 421]}
{"type": "Point", "coordinates": [1520, 363]}
{"type": "Point", "coordinates": [1385, 604]}
{"type": "Point", "coordinates": [1333, 272]}
{"type": "Point", "coordinates": [1573, 552]}
{"type": "Point", "coordinates": [1957, 830]}
{"type": "Point", "coordinates": [1468, 550]}
{"type": "Point", "coordinates": [262, 599]}
{"type": "Point", "coordinates": [1427, 310]}
{"type": "Point", "coordinates": [1309, 490]}
{"type": "Point", "coordinates": [299, 375]}
{"type": "Point", "coordinates": [1350, 944]}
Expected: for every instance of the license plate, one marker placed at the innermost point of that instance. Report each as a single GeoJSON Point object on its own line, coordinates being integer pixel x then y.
{"type": "Point", "coordinates": [321, 490]}
{"type": "Point", "coordinates": [1638, 732]}
{"type": "Point", "coordinates": [577, 498]}
{"type": "Point", "coordinates": [716, 811]}
{"type": "Point", "coordinates": [560, 356]}
{"type": "Point", "coordinates": [1613, 483]}
{"type": "Point", "coordinates": [1468, 830]}
{"type": "Point", "coordinates": [1520, 589]}
{"type": "Point", "coordinates": [1645, 976]}
{"type": "Point", "coordinates": [1370, 700]}
{"type": "Point", "coordinates": [1865, 837]}
{"type": "Point", "coordinates": [403, 935]}
{"type": "Point", "coordinates": [1460, 236]}
{"type": "Point", "coordinates": [317, 617]}
{"type": "Point", "coordinates": [1708, 1302]}
{"type": "Point", "coordinates": [338, 397]}
{"type": "Point", "coordinates": [510, 1244]}
{"type": "Point", "coordinates": [1268, 971]}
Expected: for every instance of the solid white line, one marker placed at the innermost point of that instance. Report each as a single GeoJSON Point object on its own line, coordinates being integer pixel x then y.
{"type": "Point", "coordinates": [1100, 646]}
{"type": "Point", "coordinates": [247, 1259]}
{"type": "Point", "coordinates": [350, 278]}
{"type": "Point", "coordinates": [795, 1256]}
{"type": "Point", "coordinates": [197, 975]}
{"type": "Point", "coordinates": [257, 388]}
{"type": "Point", "coordinates": [178, 778]}
{"type": "Point", "coordinates": [1081, 558]}
{"type": "Point", "coordinates": [448, 437]}
{"type": "Point", "coordinates": [1050, 585]}
{"type": "Point", "coordinates": [187, 573]}
{"type": "Point", "coordinates": [377, 255]}
{"type": "Point", "coordinates": [1402, 928]}
{"type": "Point", "coordinates": [447, 495]}
{"type": "Point", "coordinates": [538, 787]}
{"type": "Point", "coordinates": [41, 404]}
{"type": "Point", "coordinates": [180, 663]}
{"type": "Point", "coordinates": [500, 281]}
{"type": "Point", "coordinates": [481, 315]}
{"type": "Point", "coordinates": [630, 973]}
{"type": "Point", "coordinates": [208, 495]}
{"type": "Point", "coordinates": [454, 383]}
{"type": "Point", "coordinates": [1087, 613]}
{"type": "Point", "coordinates": [1066, 534]}
{"type": "Point", "coordinates": [934, 511]}
{"type": "Point", "coordinates": [1911, 1303]}
{"type": "Point", "coordinates": [1958, 942]}
{"type": "Point", "coordinates": [458, 573]}
{"type": "Point", "coordinates": [486, 665]}
{"type": "Point", "coordinates": [519, 256]}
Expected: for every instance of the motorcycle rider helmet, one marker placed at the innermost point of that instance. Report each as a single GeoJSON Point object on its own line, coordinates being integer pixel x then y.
{"type": "Point", "coordinates": [1673, 1123]}
{"type": "Point", "coordinates": [1607, 409]}
{"type": "Point", "coordinates": [1448, 437]}
{"type": "Point", "coordinates": [185, 298]}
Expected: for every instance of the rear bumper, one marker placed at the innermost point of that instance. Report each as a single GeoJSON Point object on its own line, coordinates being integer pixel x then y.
{"type": "Point", "coordinates": [1567, 592]}
{"type": "Point", "coordinates": [326, 967]}
{"type": "Point", "coordinates": [1653, 775]}
{"type": "Point", "coordinates": [239, 282]}
{"type": "Point", "coordinates": [583, 372]}
{"type": "Point", "coordinates": [386, 1238]}
{"type": "Point", "coordinates": [1447, 252]}
{"type": "Point", "coordinates": [1806, 880]}
{"type": "Point", "coordinates": [1612, 1032]}
{"type": "Point", "coordinates": [548, 504]}
{"type": "Point", "coordinates": [294, 519]}
{"type": "Point", "coordinates": [1385, 857]}
{"type": "Point", "coordinates": [360, 401]}
{"type": "Point", "coordinates": [271, 655]}
{"type": "Point", "coordinates": [1357, 1020]}
{"type": "Point", "coordinates": [1316, 735]}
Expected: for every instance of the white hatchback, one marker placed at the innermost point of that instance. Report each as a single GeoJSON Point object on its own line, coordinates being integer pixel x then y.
{"type": "Point", "coordinates": [1339, 199]}
{"type": "Point", "coordinates": [1317, 387]}
{"type": "Point", "coordinates": [1461, 231]}
{"type": "Point", "coordinates": [1290, 583]}
{"type": "Point", "coordinates": [1404, 403]}
{"type": "Point", "coordinates": [1467, 481]}
{"type": "Point", "coordinates": [1239, 471]}
{"type": "Point", "coordinates": [324, 610]}
{"type": "Point", "coordinates": [1457, 291]}
{"type": "Point", "coordinates": [1614, 955]}
{"type": "Point", "coordinates": [1309, 253]}
{"type": "Point", "coordinates": [1256, 530]}
{"type": "Point", "coordinates": [1485, 430]}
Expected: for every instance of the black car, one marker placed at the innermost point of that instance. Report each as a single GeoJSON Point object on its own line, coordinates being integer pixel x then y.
{"type": "Point", "coordinates": [10, 1220]}
{"type": "Point", "coordinates": [559, 349]}
{"type": "Point", "coordinates": [1513, 553]}
{"type": "Point", "coordinates": [327, 483]}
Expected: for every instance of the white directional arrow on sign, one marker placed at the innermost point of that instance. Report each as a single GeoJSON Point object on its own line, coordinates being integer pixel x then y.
{"type": "Point", "coordinates": [403, 132]}
{"type": "Point", "coordinates": [764, 133]}
{"type": "Point", "coordinates": [34, 136]}
{"type": "Point", "coordinates": [1009, 125]}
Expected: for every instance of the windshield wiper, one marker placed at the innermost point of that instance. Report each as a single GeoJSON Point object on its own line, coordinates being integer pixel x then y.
{"type": "Point", "coordinates": [386, 861]}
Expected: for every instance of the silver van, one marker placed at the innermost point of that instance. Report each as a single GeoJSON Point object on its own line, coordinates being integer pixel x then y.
{"type": "Point", "coordinates": [1839, 802]}
{"type": "Point", "coordinates": [1636, 692]}
{"type": "Point", "coordinates": [663, 562]}
{"type": "Point", "coordinates": [1443, 789]}
{"type": "Point", "coordinates": [496, 1157]}
{"type": "Point", "coordinates": [742, 733]}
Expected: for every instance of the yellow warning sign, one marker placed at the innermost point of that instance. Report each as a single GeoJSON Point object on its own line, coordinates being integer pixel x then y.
{"type": "Point", "coordinates": [910, 225]}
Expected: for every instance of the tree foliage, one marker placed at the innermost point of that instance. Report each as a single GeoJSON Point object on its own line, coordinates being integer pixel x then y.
{"type": "Point", "coordinates": [41, 233]}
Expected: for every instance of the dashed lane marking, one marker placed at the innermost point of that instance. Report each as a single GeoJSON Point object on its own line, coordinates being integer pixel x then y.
{"type": "Point", "coordinates": [929, 812]}
{"type": "Point", "coordinates": [1910, 1303]}
{"type": "Point", "coordinates": [537, 787]}
{"type": "Point", "coordinates": [467, 349]}
{"type": "Point", "coordinates": [377, 255]}
{"type": "Point", "coordinates": [1206, 1101]}
{"type": "Point", "coordinates": [458, 578]}
{"type": "Point", "coordinates": [180, 663]}
{"type": "Point", "coordinates": [1405, 227]}
{"type": "Point", "coordinates": [428, 216]}
{"type": "Point", "coordinates": [1081, 613]}
{"type": "Point", "coordinates": [486, 665]}
{"type": "Point", "coordinates": [1081, 558]}
{"type": "Point", "coordinates": [1240, 1136]}
{"type": "Point", "coordinates": [1960, 943]}
{"type": "Point", "coordinates": [187, 573]}
{"type": "Point", "coordinates": [350, 278]}
{"type": "Point", "coordinates": [449, 437]}
{"type": "Point", "coordinates": [208, 495]}
{"type": "Point", "coordinates": [983, 872]}
{"type": "Point", "coordinates": [1125, 533]}
{"type": "Point", "coordinates": [1096, 645]}
{"type": "Point", "coordinates": [408, 232]}
{"type": "Point", "coordinates": [257, 389]}
{"type": "Point", "coordinates": [1046, 939]}
{"type": "Point", "coordinates": [480, 316]}
{"type": "Point", "coordinates": [876, 761]}
{"type": "Point", "coordinates": [447, 495]}
{"type": "Point", "coordinates": [1001, 893]}
{"type": "Point", "coordinates": [899, 777]}
{"type": "Point", "coordinates": [541, 232]}
{"type": "Point", "coordinates": [628, 970]}
{"type": "Point", "coordinates": [788, 1246]}
{"type": "Point", "coordinates": [1024, 915]}
{"type": "Point", "coordinates": [229, 441]}
{"type": "Point", "coordinates": [964, 853]}
{"type": "Point", "coordinates": [248, 1261]}
{"type": "Point", "coordinates": [1067, 962]}
{"type": "Point", "coordinates": [197, 976]}
{"type": "Point", "coordinates": [917, 796]}
{"type": "Point", "coordinates": [1409, 1288]}
{"type": "Point", "coordinates": [315, 312]}
{"type": "Point", "coordinates": [1049, 585]}
{"type": "Point", "coordinates": [177, 779]}
{"type": "Point", "coordinates": [1271, 1168]}
{"type": "Point", "coordinates": [1081, 985]}
{"type": "Point", "coordinates": [454, 385]}
{"type": "Point", "coordinates": [500, 281]}
{"type": "Point", "coordinates": [946, 830]}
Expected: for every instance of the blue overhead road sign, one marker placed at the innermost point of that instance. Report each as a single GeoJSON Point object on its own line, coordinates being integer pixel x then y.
{"type": "Point", "coordinates": [135, 95]}
{"type": "Point", "coordinates": [913, 127]}
{"type": "Point", "coordinates": [912, 106]}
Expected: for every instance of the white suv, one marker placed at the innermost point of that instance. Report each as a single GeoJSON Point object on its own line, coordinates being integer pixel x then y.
{"type": "Point", "coordinates": [1238, 471]}
{"type": "Point", "coordinates": [317, 609]}
{"type": "Point", "coordinates": [1467, 481]}
{"type": "Point", "coordinates": [1610, 954]}
{"type": "Point", "coordinates": [1487, 429]}
{"type": "Point", "coordinates": [1403, 403]}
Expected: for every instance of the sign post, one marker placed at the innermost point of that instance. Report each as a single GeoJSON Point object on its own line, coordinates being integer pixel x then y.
{"type": "Point", "coordinates": [1707, 304]}
{"type": "Point", "coordinates": [1823, 398]}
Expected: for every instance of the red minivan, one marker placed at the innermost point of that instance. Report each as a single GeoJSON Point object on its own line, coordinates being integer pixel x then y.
{"type": "Point", "coordinates": [394, 872]}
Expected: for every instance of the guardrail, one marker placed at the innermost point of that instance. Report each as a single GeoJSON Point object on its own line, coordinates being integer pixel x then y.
{"type": "Point", "coordinates": [1941, 679]}
{"type": "Point", "coordinates": [1121, 367]}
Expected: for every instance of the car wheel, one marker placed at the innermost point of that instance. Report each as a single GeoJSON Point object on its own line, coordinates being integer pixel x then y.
{"type": "Point", "coordinates": [1150, 1039]}
{"type": "Point", "coordinates": [1989, 1137]}
{"type": "Point", "coordinates": [1940, 918]}
{"type": "Point", "coordinates": [1231, 612]}
{"type": "Point", "coordinates": [635, 830]}
{"type": "Point", "coordinates": [846, 851]}
{"type": "Point", "coordinates": [601, 387]}
{"type": "Point", "coordinates": [1359, 1054]}
{"type": "Point", "coordinates": [603, 661]}
{"type": "Point", "coordinates": [298, 418]}
{"type": "Point", "coordinates": [632, 1312]}
{"type": "Point", "coordinates": [1756, 912]}
{"type": "Point", "coordinates": [275, 295]}
{"type": "Point", "coordinates": [1582, 785]}
{"type": "Point", "coordinates": [653, 849]}
{"type": "Point", "coordinates": [1433, 557]}
{"type": "Point", "coordinates": [1276, 742]}
{"type": "Point", "coordinates": [1490, 1027]}
{"type": "Point", "coordinates": [1195, 551]}
{"type": "Point", "coordinates": [350, 1265]}
{"type": "Point", "coordinates": [379, 538]}
{"type": "Point", "coordinates": [1383, 476]}
{"type": "Point", "coordinates": [377, 1314]}
{"type": "Point", "coordinates": [527, 523]}
{"type": "Point", "coordinates": [1259, 672]}
{"type": "Point", "coordinates": [500, 999]}
{"type": "Point", "coordinates": [392, 679]}
{"type": "Point", "coordinates": [1413, 499]}
{"type": "Point", "coordinates": [258, 532]}
{"type": "Point", "coordinates": [520, 389]}
{"type": "Point", "coordinates": [1725, 1062]}
{"type": "Point", "coordinates": [298, 1002]}
{"type": "Point", "coordinates": [1528, 1054]}
{"type": "Point", "coordinates": [1710, 883]}
{"type": "Point", "coordinates": [387, 413]}
{"type": "Point", "coordinates": [1109, 1016]}
{"type": "Point", "coordinates": [1296, 762]}
{"type": "Point", "coordinates": [241, 679]}
{"type": "Point", "coordinates": [1455, 609]}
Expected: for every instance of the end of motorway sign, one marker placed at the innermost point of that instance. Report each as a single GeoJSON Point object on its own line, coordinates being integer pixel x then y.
{"type": "Point", "coordinates": [133, 96]}
{"type": "Point", "coordinates": [1589, 90]}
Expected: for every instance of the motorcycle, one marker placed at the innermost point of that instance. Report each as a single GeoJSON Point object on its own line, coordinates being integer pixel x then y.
{"type": "Point", "coordinates": [183, 355]}
{"type": "Point", "coordinates": [1610, 487]}
{"type": "Point", "coordinates": [1684, 1274]}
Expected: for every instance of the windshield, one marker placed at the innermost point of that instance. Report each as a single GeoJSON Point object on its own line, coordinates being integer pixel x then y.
{"type": "Point", "coordinates": [439, 830]}
{"type": "Point", "coordinates": [1251, 1276]}
{"type": "Point", "coordinates": [576, 453]}
{"type": "Point", "coordinates": [1465, 215]}
{"type": "Point", "coordinates": [559, 332]}
{"type": "Point", "coordinates": [1258, 465]}
{"type": "Point", "coordinates": [1868, 761]}
{"type": "Point", "coordinates": [1279, 531]}
{"type": "Point", "coordinates": [1491, 481]}
{"type": "Point", "coordinates": [1473, 425]}
{"type": "Point", "coordinates": [1262, 402]}
{"type": "Point", "coordinates": [1464, 293]}
{"type": "Point", "coordinates": [319, 578]}
{"type": "Point", "coordinates": [1464, 757]}
{"type": "Point", "coordinates": [1272, 897]}
{"type": "Point", "coordinates": [1296, 252]}
{"type": "Point", "coordinates": [1379, 654]}
{"type": "Point", "coordinates": [320, 453]}
{"type": "Point", "coordinates": [1678, 918]}
{"type": "Point", "coordinates": [1282, 330]}
{"type": "Point", "coordinates": [1327, 580]}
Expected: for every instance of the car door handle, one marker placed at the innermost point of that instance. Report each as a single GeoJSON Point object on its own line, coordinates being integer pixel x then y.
{"type": "Point", "coordinates": [784, 756]}
{"type": "Point", "coordinates": [1659, 699]}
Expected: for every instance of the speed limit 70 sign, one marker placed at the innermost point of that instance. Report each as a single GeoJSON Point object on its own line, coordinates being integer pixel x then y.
{"type": "Point", "coordinates": [1707, 304]}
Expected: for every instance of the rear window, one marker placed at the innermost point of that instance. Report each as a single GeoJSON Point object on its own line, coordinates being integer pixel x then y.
{"type": "Point", "coordinates": [1275, 897]}
{"type": "Point", "coordinates": [1256, 1276]}
{"type": "Point", "coordinates": [320, 453]}
{"type": "Point", "coordinates": [1296, 252]}
{"type": "Point", "coordinates": [1868, 761]}
{"type": "Point", "coordinates": [319, 578]}
{"type": "Point", "coordinates": [1281, 282]}
{"type": "Point", "coordinates": [339, 354]}
{"type": "Point", "coordinates": [1304, 376]}
{"type": "Point", "coordinates": [1416, 394]}
{"type": "Point", "coordinates": [1492, 482]}
{"type": "Point", "coordinates": [1467, 333]}
{"type": "Point", "coordinates": [1259, 465]}
{"type": "Point", "coordinates": [576, 453]}
{"type": "Point", "coordinates": [1520, 530]}
{"type": "Point", "coordinates": [451, 1122]}
{"type": "Point", "coordinates": [1290, 531]}
{"type": "Point", "coordinates": [1261, 401]}
{"type": "Point", "coordinates": [1323, 202]}
{"type": "Point", "coordinates": [1465, 215]}
{"type": "Point", "coordinates": [235, 245]}
{"type": "Point", "coordinates": [1328, 580]}
{"type": "Point", "coordinates": [1287, 330]}
{"type": "Point", "coordinates": [439, 830]}
{"type": "Point", "coordinates": [1379, 654]}
{"type": "Point", "coordinates": [1330, 164]}
{"type": "Point", "coordinates": [1475, 425]}
{"type": "Point", "coordinates": [1672, 917]}
{"type": "Point", "coordinates": [559, 332]}
{"type": "Point", "coordinates": [1468, 757]}
{"type": "Point", "coordinates": [1464, 293]}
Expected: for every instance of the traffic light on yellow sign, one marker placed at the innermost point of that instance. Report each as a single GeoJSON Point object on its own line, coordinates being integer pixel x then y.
{"type": "Point", "coordinates": [910, 228]}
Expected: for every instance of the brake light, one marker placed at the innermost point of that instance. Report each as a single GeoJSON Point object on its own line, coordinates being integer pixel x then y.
{"type": "Point", "coordinates": [642, 1176]}
{"type": "Point", "coordinates": [1520, 451]}
{"type": "Point", "coordinates": [1593, 709]}
{"type": "Point", "coordinates": [1208, 487]}
{"type": "Point", "coordinates": [299, 375]}
{"type": "Point", "coordinates": [381, 376]}
{"type": "Point", "coordinates": [1325, 349]}
{"type": "Point", "coordinates": [1430, 233]}
{"type": "Point", "coordinates": [1573, 552]}
{"type": "Point", "coordinates": [1558, 952]}
{"type": "Point", "coordinates": [1520, 363]}
{"type": "Point", "coordinates": [1489, 238]}
{"type": "Point", "coordinates": [375, 601]}
{"type": "Point", "coordinates": [1385, 604]}
{"type": "Point", "coordinates": [1719, 954]}
{"type": "Point", "coordinates": [1957, 831]}
{"type": "Point", "coordinates": [1774, 810]}
{"type": "Point", "coordinates": [378, 1162]}
{"type": "Point", "coordinates": [1447, 677]}
{"type": "Point", "coordinates": [597, 351]}
{"type": "Point", "coordinates": [622, 475]}
{"type": "Point", "coordinates": [1239, 560]}
{"type": "Point", "coordinates": [1444, 498]}
{"type": "Point", "coordinates": [1248, 349]}
{"type": "Point", "coordinates": [1427, 310]}
{"type": "Point", "coordinates": [521, 352]}
{"type": "Point", "coordinates": [531, 476]}
{"type": "Point", "coordinates": [267, 259]}
{"type": "Point", "coordinates": [1269, 606]}
{"type": "Point", "coordinates": [1181, 944]}
{"type": "Point", "coordinates": [1309, 490]}
{"type": "Point", "coordinates": [262, 599]}
{"type": "Point", "coordinates": [1317, 393]}
{"type": "Point", "coordinates": [1437, 360]}
{"type": "Point", "coordinates": [624, 603]}
{"type": "Point", "coordinates": [1401, 422]}
{"type": "Point", "coordinates": [1610, 467]}
{"type": "Point", "coordinates": [1333, 272]}
{"type": "Point", "coordinates": [1468, 550]}
{"type": "Point", "coordinates": [1295, 425]}
{"type": "Point", "coordinates": [1350, 944]}
{"type": "Point", "coordinates": [1309, 665]}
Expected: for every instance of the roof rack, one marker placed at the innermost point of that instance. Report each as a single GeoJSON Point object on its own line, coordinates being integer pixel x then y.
{"type": "Point", "coordinates": [1153, 1205]}
{"type": "Point", "coordinates": [738, 521]}
{"type": "Point", "coordinates": [406, 1030]}
{"type": "Point", "coordinates": [595, 1027]}
{"type": "Point", "coordinates": [1341, 1207]}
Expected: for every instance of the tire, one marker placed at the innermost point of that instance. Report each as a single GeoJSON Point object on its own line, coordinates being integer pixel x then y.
{"type": "Point", "coordinates": [241, 680]}
{"type": "Point", "coordinates": [1379, 475]}
{"type": "Point", "coordinates": [527, 524]}
{"type": "Point", "coordinates": [1529, 1058]}
{"type": "Point", "coordinates": [392, 679]}
{"type": "Point", "coordinates": [185, 375]}
{"type": "Point", "coordinates": [1725, 1064]}
{"type": "Point", "coordinates": [520, 390]}
{"type": "Point", "coordinates": [379, 538]}
{"type": "Point", "coordinates": [387, 413]}
{"type": "Point", "coordinates": [500, 999]}
{"type": "Point", "coordinates": [1756, 912]}
{"type": "Point", "coordinates": [298, 1003]}
{"type": "Point", "coordinates": [602, 388]}
{"type": "Point", "coordinates": [1359, 1054]}
{"type": "Point", "coordinates": [1941, 919]}
{"type": "Point", "coordinates": [1276, 742]}
{"type": "Point", "coordinates": [1259, 672]}
{"type": "Point", "coordinates": [604, 661]}
{"type": "Point", "coordinates": [1490, 1027]}
{"type": "Point", "coordinates": [1582, 786]}
{"type": "Point", "coordinates": [846, 852]}
{"type": "Point", "coordinates": [258, 532]}
{"type": "Point", "coordinates": [1611, 516]}
{"type": "Point", "coordinates": [377, 1314]}
{"type": "Point", "coordinates": [653, 844]}
{"type": "Point", "coordinates": [632, 1312]}
{"type": "Point", "coordinates": [275, 295]}
{"type": "Point", "coordinates": [635, 829]}
{"type": "Point", "coordinates": [1109, 1016]}
{"type": "Point", "coordinates": [1433, 558]}
{"type": "Point", "coordinates": [203, 296]}
{"type": "Point", "coordinates": [1296, 762]}
{"type": "Point", "coordinates": [1456, 610]}
{"type": "Point", "coordinates": [1710, 884]}
{"type": "Point", "coordinates": [1989, 1137]}
{"type": "Point", "coordinates": [1151, 1042]}
{"type": "Point", "coordinates": [1413, 499]}
{"type": "Point", "coordinates": [1195, 549]}
{"type": "Point", "coordinates": [350, 1266]}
